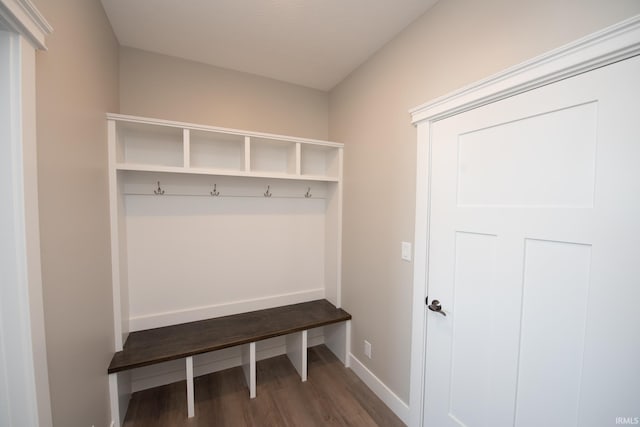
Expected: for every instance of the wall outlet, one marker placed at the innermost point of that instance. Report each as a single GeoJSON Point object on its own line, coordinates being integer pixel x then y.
{"type": "Point", "coordinates": [367, 349]}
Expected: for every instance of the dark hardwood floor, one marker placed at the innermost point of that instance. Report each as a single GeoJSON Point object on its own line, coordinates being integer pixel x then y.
{"type": "Point", "coordinates": [332, 396]}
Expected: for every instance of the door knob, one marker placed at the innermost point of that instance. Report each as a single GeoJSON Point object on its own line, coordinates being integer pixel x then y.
{"type": "Point", "coordinates": [435, 306]}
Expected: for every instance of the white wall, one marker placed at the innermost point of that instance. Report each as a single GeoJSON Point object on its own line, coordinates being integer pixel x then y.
{"type": "Point", "coordinates": [192, 258]}
{"type": "Point", "coordinates": [453, 44]}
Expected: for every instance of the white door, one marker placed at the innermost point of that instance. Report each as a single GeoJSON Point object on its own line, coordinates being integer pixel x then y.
{"type": "Point", "coordinates": [534, 256]}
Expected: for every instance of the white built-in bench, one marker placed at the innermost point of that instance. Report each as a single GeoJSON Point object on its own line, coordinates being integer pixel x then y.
{"type": "Point", "coordinates": [186, 340]}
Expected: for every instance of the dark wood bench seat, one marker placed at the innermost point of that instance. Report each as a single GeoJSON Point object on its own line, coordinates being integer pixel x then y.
{"type": "Point", "coordinates": [186, 340]}
{"type": "Point", "coordinates": [153, 346]}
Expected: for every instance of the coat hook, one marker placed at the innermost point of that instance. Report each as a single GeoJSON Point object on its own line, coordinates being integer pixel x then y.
{"type": "Point", "coordinates": [215, 192]}
{"type": "Point", "coordinates": [267, 193]}
{"type": "Point", "coordinates": [159, 191]}
{"type": "Point", "coordinates": [308, 193]}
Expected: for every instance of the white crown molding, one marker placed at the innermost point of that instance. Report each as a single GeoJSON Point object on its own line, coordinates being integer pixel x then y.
{"type": "Point", "coordinates": [35, 15]}
{"type": "Point", "coordinates": [614, 43]}
{"type": "Point", "coordinates": [24, 18]}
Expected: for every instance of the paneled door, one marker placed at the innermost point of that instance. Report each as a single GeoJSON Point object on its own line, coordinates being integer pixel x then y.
{"type": "Point", "coordinates": [534, 258]}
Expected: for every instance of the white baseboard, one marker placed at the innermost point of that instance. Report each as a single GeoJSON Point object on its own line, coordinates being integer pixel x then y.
{"type": "Point", "coordinates": [157, 320]}
{"type": "Point", "coordinates": [174, 371]}
{"type": "Point", "coordinates": [397, 405]}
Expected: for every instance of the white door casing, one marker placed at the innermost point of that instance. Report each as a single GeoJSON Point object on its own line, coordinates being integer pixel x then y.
{"type": "Point", "coordinates": [499, 232]}
{"type": "Point", "coordinates": [24, 386]}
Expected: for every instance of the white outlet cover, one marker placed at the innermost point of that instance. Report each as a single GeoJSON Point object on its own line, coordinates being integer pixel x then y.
{"type": "Point", "coordinates": [406, 251]}
{"type": "Point", "coordinates": [367, 349]}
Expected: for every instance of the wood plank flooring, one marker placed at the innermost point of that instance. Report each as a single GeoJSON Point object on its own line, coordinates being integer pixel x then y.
{"type": "Point", "coordinates": [332, 396]}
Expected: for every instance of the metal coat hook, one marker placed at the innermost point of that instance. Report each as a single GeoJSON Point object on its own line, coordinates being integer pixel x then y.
{"type": "Point", "coordinates": [215, 192]}
{"type": "Point", "coordinates": [159, 191]}
{"type": "Point", "coordinates": [267, 193]}
{"type": "Point", "coordinates": [308, 194]}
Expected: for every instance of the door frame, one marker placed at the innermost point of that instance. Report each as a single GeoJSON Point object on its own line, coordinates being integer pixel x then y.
{"type": "Point", "coordinates": [612, 44]}
{"type": "Point", "coordinates": [24, 398]}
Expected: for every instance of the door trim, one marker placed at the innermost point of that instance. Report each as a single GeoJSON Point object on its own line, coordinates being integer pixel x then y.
{"type": "Point", "coordinates": [22, 17]}
{"type": "Point", "coordinates": [23, 358]}
{"type": "Point", "coordinates": [612, 44]}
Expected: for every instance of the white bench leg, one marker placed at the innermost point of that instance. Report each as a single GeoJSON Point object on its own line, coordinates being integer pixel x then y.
{"type": "Point", "coordinates": [249, 367]}
{"type": "Point", "coordinates": [119, 396]}
{"type": "Point", "coordinates": [191, 411]}
{"type": "Point", "coordinates": [297, 352]}
{"type": "Point", "coordinates": [347, 344]}
{"type": "Point", "coordinates": [114, 398]}
{"type": "Point", "coordinates": [338, 338]}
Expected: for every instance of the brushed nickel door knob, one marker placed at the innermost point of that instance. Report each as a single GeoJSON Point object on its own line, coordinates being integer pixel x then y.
{"type": "Point", "coordinates": [435, 306]}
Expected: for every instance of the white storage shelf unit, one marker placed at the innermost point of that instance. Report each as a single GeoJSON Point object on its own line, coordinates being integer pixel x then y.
{"type": "Point", "coordinates": [209, 221]}
{"type": "Point", "coordinates": [143, 144]}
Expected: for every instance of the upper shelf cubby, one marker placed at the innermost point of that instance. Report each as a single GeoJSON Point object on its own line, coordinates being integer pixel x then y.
{"type": "Point", "coordinates": [153, 145]}
{"type": "Point", "coordinates": [274, 156]}
{"type": "Point", "coordinates": [215, 150]}
{"type": "Point", "coordinates": [319, 160]}
{"type": "Point", "coordinates": [143, 144]}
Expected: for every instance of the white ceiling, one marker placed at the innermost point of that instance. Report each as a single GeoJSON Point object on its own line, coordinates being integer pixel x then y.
{"type": "Point", "coordinates": [314, 43]}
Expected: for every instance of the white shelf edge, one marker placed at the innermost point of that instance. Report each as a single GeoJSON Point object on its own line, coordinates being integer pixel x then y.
{"type": "Point", "coordinates": [150, 168]}
{"type": "Point", "coordinates": [223, 196]}
{"type": "Point", "coordinates": [221, 172]}
{"type": "Point", "coordinates": [193, 126]}
{"type": "Point", "coordinates": [318, 178]}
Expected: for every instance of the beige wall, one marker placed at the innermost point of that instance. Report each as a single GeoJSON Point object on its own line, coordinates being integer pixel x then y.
{"type": "Point", "coordinates": [77, 82]}
{"type": "Point", "coordinates": [455, 43]}
{"type": "Point", "coordinates": [165, 87]}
